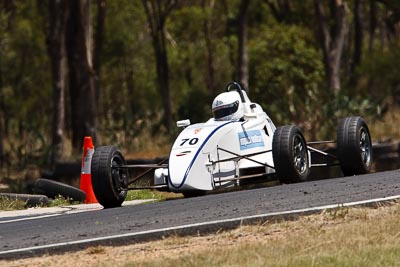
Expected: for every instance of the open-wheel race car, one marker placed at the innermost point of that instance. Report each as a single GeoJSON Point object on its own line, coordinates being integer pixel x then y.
{"type": "Point", "coordinates": [239, 145]}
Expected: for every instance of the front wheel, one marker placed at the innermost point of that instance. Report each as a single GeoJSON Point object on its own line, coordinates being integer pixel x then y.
{"type": "Point", "coordinates": [109, 176]}
{"type": "Point", "coordinates": [354, 146]}
{"type": "Point", "coordinates": [290, 154]}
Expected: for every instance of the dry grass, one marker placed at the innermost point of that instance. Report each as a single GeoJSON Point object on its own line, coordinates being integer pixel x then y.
{"type": "Point", "coordinates": [7, 204]}
{"type": "Point", "coordinates": [151, 194]}
{"type": "Point", "coordinates": [342, 237]}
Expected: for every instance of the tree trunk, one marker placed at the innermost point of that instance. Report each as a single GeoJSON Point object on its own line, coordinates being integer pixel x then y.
{"type": "Point", "coordinates": [2, 108]}
{"type": "Point", "coordinates": [332, 33]}
{"type": "Point", "coordinates": [99, 39]}
{"type": "Point", "coordinates": [373, 22]}
{"type": "Point", "coordinates": [230, 30]}
{"type": "Point", "coordinates": [9, 7]}
{"type": "Point", "coordinates": [58, 14]}
{"type": "Point", "coordinates": [81, 72]}
{"type": "Point", "coordinates": [209, 48]}
{"type": "Point", "coordinates": [358, 39]}
{"type": "Point", "coordinates": [1, 146]}
{"type": "Point", "coordinates": [157, 12]}
{"type": "Point", "coordinates": [280, 9]}
{"type": "Point", "coordinates": [163, 76]}
{"type": "Point", "coordinates": [243, 65]}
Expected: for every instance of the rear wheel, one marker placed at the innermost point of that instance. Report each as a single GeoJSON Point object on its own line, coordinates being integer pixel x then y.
{"type": "Point", "coordinates": [354, 146]}
{"type": "Point", "coordinates": [109, 178]}
{"type": "Point", "coordinates": [290, 155]}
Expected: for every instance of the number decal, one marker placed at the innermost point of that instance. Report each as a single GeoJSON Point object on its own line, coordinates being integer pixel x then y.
{"type": "Point", "coordinates": [184, 141]}
{"type": "Point", "coordinates": [192, 141]}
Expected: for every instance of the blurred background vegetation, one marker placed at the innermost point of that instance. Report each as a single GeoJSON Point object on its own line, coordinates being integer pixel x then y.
{"type": "Point", "coordinates": [289, 61]}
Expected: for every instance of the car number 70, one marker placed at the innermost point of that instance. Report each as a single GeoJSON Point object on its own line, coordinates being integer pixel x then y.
{"type": "Point", "coordinates": [192, 141]}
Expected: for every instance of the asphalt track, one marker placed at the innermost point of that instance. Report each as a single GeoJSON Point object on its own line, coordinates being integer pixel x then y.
{"type": "Point", "coordinates": [30, 235]}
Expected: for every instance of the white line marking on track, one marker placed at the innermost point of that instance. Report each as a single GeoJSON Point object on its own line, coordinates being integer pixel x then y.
{"type": "Point", "coordinates": [30, 218]}
{"type": "Point", "coordinates": [298, 211]}
{"type": "Point", "coordinates": [39, 213]}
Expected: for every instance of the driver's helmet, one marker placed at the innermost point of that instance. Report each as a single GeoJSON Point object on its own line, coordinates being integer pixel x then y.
{"type": "Point", "coordinates": [228, 106]}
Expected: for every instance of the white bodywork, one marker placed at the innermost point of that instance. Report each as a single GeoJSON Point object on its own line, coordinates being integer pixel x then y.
{"type": "Point", "coordinates": [209, 155]}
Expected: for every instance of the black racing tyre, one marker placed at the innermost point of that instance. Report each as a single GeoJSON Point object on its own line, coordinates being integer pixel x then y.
{"type": "Point", "coordinates": [110, 182]}
{"type": "Point", "coordinates": [53, 189]}
{"type": "Point", "coordinates": [354, 146]}
{"type": "Point", "coordinates": [29, 199]}
{"type": "Point", "coordinates": [290, 154]}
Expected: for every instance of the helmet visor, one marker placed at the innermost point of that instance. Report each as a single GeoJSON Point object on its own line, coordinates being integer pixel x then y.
{"type": "Point", "coordinates": [225, 110]}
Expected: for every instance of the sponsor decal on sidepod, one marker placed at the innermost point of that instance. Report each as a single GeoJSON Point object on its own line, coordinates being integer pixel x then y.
{"type": "Point", "coordinates": [250, 139]}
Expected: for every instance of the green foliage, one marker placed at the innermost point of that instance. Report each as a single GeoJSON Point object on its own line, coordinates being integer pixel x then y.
{"type": "Point", "coordinates": [129, 100]}
{"type": "Point", "coordinates": [188, 57]}
{"type": "Point", "coordinates": [195, 106]}
{"type": "Point", "coordinates": [343, 106]}
{"type": "Point", "coordinates": [380, 74]}
{"type": "Point", "coordinates": [286, 74]}
{"type": "Point", "coordinates": [25, 96]}
{"type": "Point", "coordinates": [30, 81]}
{"type": "Point", "coordinates": [128, 70]}
{"type": "Point", "coordinates": [181, 23]}
{"type": "Point", "coordinates": [144, 194]}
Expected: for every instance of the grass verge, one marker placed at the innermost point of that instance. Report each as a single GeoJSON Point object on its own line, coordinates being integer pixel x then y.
{"type": "Point", "coordinates": [150, 194]}
{"type": "Point", "coordinates": [7, 204]}
{"type": "Point", "coordinates": [336, 237]}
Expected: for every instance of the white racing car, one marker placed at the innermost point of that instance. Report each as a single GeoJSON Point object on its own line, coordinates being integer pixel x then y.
{"type": "Point", "coordinates": [239, 145]}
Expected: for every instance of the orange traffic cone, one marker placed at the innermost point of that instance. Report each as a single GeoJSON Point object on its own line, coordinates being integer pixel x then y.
{"type": "Point", "coordinates": [86, 177]}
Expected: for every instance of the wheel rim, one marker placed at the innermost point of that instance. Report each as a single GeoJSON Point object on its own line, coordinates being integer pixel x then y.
{"type": "Point", "coordinates": [365, 147]}
{"type": "Point", "coordinates": [300, 155]}
{"type": "Point", "coordinates": [118, 175]}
